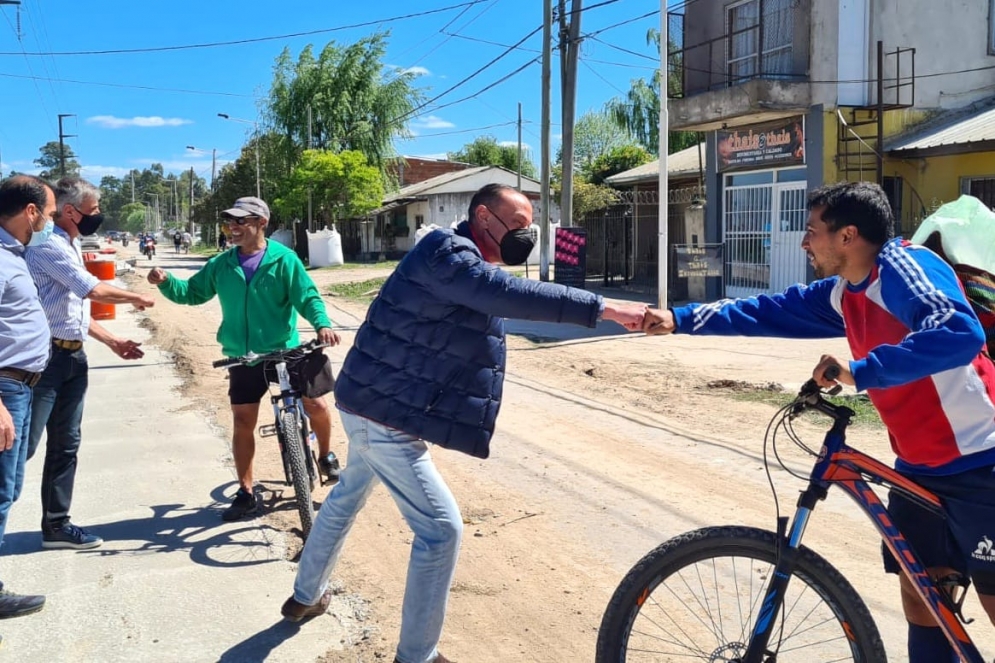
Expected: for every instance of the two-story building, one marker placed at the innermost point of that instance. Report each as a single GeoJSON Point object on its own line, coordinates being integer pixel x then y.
{"type": "Point", "coordinates": [795, 93]}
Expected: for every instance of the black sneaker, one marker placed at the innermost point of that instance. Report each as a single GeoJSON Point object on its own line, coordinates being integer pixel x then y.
{"type": "Point", "coordinates": [330, 466]}
{"type": "Point", "coordinates": [70, 536]}
{"type": "Point", "coordinates": [244, 504]}
{"type": "Point", "coordinates": [18, 605]}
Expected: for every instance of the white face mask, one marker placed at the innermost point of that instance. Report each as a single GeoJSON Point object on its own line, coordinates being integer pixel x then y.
{"type": "Point", "coordinates": [39, 237]}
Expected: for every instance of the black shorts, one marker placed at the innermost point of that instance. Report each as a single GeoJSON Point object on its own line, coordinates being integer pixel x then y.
{"type": "Point", "coordinates": [311, 376]}
{"type": "Point", "coordinates": [964, 537]}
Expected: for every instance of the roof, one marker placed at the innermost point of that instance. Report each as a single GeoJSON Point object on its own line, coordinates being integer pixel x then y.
{"type": "Point", "coordinates": [970, 129]}
{"type": "Point", "coordinates": [679, 164]}
{"type": "Point", "coordinates": [423, 188]}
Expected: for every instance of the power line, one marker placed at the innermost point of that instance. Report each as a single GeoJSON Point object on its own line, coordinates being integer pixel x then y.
{"type": "Point", "coordinates": [413, 111]}
{"type": "Point", "coordinates": [253, 40]}
{"type": "Point", "coordinates": [595, 72]}
{"type": "Point", "coordinates": [131, 87]}
{"type": "Point", "coordinates": [466, 131]}
{"type": "Point", "coordinates": [41, 97]}
{"type": "Point", "coordinates": [624, 50]}
{"type": "Point", "coordinates": [463, 27]}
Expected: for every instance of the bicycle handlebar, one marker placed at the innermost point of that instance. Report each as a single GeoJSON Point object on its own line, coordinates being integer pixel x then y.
{"type": "Point", "coordinates": [810, 396]}
{"type": "Point", "coordinates": [272, 356]}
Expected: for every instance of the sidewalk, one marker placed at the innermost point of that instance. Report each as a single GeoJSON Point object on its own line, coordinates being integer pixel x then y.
{"type": "Point", "coordinates": [172, 582]}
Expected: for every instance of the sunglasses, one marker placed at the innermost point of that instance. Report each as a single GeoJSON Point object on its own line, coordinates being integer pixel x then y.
{"type": "Point", "coordinates": [240, 221]}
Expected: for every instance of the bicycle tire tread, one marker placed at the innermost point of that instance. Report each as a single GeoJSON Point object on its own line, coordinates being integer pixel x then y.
{"type": "Point", "coordinates": [683, 548]}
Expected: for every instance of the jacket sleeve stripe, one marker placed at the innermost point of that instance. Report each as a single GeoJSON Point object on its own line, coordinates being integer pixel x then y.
{"type": "Point", "coordinates": [919, 284]}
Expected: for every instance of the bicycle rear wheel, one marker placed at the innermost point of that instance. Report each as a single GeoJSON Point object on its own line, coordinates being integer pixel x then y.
{"type": "Point", "coordinates": [291, 424]}
{"type": "Point", "coordinates": [697, 597]}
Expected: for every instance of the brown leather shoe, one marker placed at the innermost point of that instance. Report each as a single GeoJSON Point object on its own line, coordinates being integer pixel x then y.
{"type": "Point", "coordinates": [439, 658]}
{"type": "Point", "coordinates": [294, 612]}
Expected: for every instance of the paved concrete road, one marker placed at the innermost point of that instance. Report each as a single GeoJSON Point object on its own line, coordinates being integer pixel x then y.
{"type": "Point", "coordinates": [172, 582]}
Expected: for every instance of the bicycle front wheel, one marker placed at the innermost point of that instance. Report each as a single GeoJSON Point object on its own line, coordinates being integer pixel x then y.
{"type": "Point", "coordinates": [697, 598]}
{"type": "Point", "coordinates": [290, 421]}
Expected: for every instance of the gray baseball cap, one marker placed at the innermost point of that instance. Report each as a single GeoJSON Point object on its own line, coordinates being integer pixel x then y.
{"type": "Point", "coordinates": [248, 206]}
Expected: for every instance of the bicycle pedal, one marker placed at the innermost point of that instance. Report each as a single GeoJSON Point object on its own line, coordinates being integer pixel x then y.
{"type": "Point", "coordinates": [267, 431]}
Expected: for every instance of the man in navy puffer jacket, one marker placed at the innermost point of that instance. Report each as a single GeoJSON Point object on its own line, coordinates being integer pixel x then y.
{"type": "Point", "coordinates": [428, 366]}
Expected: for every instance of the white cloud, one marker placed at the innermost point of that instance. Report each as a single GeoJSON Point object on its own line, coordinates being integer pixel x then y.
{"type": "Point", "coordinates": [111, 122]}
{"type": "Point", "coordinates": [95, 173]}
{"type": "Point", "coordinates": [514, 143]}
{"type": "Point", "coordinates": [417, 70]}
{"type": "Point", "coordinates": [433, 122]}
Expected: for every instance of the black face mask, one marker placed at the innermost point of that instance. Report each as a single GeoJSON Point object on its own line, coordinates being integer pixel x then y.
{"type": "Point", "coordinates": [89, 223]}
{"type": "Point", "coordinates": [516, 245]}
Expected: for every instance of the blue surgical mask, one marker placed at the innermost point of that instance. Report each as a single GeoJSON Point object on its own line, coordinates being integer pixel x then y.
{"type": "Point", "coordinates": [39, 237]}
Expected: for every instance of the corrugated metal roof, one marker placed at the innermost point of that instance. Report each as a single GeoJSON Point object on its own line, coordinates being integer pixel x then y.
{"type": "Point", "coordinates": [424, 187]}
{"type": "Point", "coordinates": [683, 163]}
{"type": "Point", "coordinates": [971, 125]}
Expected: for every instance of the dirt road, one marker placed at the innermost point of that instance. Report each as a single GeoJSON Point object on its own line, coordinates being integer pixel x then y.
{"type": "Point", "coordinates": [604, 449]}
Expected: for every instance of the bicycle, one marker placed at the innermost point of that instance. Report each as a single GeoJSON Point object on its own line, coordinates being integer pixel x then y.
{"type": "Point", "coordinates": [300, 464]}
{"type": "Point", "coordinates": [662, 611]}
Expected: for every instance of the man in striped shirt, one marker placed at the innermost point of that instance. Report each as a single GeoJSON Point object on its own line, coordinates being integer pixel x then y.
{"type": "Point", "coordinates": [919, 352]}
{"type": "Point", "coordinates": [65, 286]}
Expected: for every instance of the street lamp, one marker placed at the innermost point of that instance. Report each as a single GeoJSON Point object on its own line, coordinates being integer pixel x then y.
{"type": "Point", "coordinates": [214, 160]}
{"type": "Point", "coordinates": [255, 128]}
{"type": "Point", "coordinates": [158, 218]}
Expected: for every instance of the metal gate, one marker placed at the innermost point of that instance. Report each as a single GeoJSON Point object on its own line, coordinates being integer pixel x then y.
{"type": "Point", "coordinates": [763, 229]}
{"type": "Point", "coordinates": [623, 240]}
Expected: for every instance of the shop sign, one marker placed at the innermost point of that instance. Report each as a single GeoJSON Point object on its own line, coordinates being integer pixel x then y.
{"type": "Point", "coordinates": [778, 143]}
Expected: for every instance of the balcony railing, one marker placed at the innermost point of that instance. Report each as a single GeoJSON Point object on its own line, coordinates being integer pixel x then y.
{"type": "Point", "coordinates": [767, 49]}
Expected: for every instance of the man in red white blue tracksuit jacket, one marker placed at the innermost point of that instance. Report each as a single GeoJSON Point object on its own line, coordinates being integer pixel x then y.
{"type": "Point", "coordinates": [919, 353]}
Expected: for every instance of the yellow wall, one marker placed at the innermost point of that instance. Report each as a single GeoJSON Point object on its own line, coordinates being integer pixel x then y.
{"type": "Point", "coordinates": [937, 180]}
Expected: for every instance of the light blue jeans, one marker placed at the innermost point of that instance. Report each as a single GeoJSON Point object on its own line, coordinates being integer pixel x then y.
{"type": "Point", "coordinates": [404, 465]}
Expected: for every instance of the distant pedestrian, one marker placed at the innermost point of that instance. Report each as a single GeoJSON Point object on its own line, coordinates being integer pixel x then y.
{"type": "Point", "coordinates": [222, 241]}
{"type": "Point", "coordinates": [177, 241]}
{"type": "Point", "coordinates": [57, 406]}
{"type": "Point", "coordinates": [26, 208]}
{"type": "Point", "coordinates": [428, 366]}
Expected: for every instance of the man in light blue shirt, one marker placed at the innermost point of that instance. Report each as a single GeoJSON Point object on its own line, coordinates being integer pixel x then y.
{"type": "Point", "coordinates": [26, 208]}
{"type": "Point", "coordinates": [64, 286]}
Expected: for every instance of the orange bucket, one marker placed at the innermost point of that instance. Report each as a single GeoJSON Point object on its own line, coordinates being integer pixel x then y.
{"type": "Point", "coordinates": [105, 271]}
{"type": "Point", "coordinates": [102, 269]}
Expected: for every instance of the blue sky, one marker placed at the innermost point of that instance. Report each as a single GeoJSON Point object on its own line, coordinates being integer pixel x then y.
{"type": "Point", "coordinates": [119, 128]}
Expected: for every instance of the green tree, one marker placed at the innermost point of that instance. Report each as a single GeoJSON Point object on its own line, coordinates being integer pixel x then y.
{"type": "Point", "coordinates": [639, 110]}
{"type": "Point", "coordinates": [595, 134]}
{"type": "Point", "coordinates": [589, 197]}
{"type": "Point", "coordinates": [617, 161]}
{"type": "Point", "coordinates": [343, 185]}
{"type": "Point", "coordinates": [132, 217]}
{"type": "Point", "coordinates": [50, 159]}
{"type": "Point", "coordinates": [356, 102]}
{"type": "Point", "coordinates": [486, 151]}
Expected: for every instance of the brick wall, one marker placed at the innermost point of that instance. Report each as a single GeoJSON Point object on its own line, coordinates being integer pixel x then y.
{"type": "Point", "coordinates": [418, 170]}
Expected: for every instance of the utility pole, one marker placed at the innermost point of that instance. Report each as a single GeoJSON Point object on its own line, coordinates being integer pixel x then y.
{"type": "Point", "coordinates": [547, 56]}
{"type": "Point", "coordinates": [310, 222]}
{"type": "Point", "coordinates": [214, 161]}
{"type": "Point", "coordinates": [62, 145]}
{"type": "Point", "coordinates": [569, 48]}
{"type": "Point", "coordinates": [664, 197]}
{"type": "Point", "coordinates": [519, 147]}
{"type": "Point", "coordinates": [132, 185]}
{"type": "Point", "coordinates": [190, 212]}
